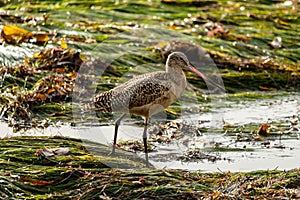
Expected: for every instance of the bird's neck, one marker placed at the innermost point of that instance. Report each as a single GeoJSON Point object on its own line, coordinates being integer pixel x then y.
{"type": "Point", "coordinates": [175, 72]}
{"type": "Point", "coordinates": [178, 80]}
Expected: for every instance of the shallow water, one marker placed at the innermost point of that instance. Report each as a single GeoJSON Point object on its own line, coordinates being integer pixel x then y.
{"type": "Point", "coordinates": [280, 154]}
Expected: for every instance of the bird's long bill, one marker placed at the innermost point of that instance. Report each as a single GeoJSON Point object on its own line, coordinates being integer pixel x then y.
{"type": "Point", "coordinates": [206, 79]}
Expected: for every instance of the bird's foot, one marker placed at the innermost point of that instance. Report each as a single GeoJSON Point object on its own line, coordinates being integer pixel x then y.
{"type": "Point", "coordinates": [113, 151]}
{"type": "Point", "coordinates": [112, 154]}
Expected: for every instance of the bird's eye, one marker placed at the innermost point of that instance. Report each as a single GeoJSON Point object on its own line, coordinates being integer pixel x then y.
{"type": "Point", "coordinates": [182, 60]}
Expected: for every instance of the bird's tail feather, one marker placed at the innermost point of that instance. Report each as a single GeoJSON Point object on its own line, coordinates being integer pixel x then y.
{"type": "Point", "coordinates": [87, 106]}
{"type": "Point", "coordinates": [100, 103]}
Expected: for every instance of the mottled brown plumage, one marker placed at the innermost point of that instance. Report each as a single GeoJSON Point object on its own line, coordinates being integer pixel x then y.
{"type": "Point", "coordinates": [139, 96]}
{"type": "Point", "coordinates": [146, 94]}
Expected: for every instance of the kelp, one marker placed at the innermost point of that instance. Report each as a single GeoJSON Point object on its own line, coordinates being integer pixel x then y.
{"type": "Point", "coordinates": [16, 35]}
{"type": "Point", "coordinates": [78, 174]}
{"type": "Point", "coordinates": [48, 77]}
{"type": "Point", "coordinates": [235, 35]}
{"type": "Point", "coordinates": [255, 46]}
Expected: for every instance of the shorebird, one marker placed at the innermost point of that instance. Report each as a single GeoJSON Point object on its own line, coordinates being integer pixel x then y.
{"type": "Point", "coordinates": [147, 94]}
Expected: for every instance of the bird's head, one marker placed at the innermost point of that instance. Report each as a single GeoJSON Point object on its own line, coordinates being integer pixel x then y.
{"type": "Point", "coordinates": [179, 59]}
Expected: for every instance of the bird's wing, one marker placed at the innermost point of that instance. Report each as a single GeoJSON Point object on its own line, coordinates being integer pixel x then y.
{"type": "Point", "coordinates": [102, 102]}
{"type": "Point", "coordinates": [147, 93]}
{"type": "Point", "coordinates": [139, 91]}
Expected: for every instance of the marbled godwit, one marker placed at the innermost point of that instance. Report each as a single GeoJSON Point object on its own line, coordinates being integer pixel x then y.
{"type": "Point", "coordinates": [147, 94]}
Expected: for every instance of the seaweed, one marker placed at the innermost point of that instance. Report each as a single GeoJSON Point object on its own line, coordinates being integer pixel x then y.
{"type": "Point", "coordinates": [82, 175]}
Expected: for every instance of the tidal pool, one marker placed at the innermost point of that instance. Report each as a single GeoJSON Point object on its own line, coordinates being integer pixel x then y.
{"type": "Point", "coordinates": [280, 151]}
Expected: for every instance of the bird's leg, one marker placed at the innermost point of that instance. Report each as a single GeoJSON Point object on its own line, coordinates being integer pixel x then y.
{"type": "Point", "coordinates": [117, 124]}
{"type": "Point", "coordinates": [145, 142]}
